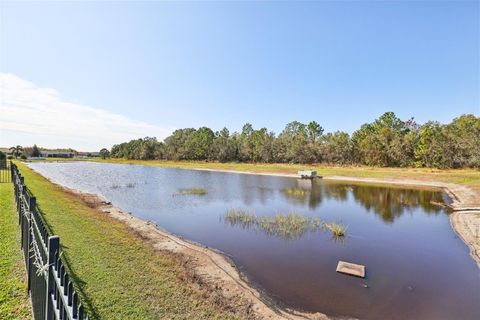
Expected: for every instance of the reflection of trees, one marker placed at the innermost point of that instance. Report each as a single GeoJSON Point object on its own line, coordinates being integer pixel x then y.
{"type": "Point", "coordinates": [305, 192]}
{"type": "Point", "coordinates": [390, 203]}
{"type": "Point", "coordinates": [387, 202]}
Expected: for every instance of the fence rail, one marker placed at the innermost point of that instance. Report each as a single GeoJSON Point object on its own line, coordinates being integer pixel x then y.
{"type": "Point", "coordinates": [51, 290]}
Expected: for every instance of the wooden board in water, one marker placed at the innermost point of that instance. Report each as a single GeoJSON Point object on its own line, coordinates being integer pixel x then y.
{"type": "Point", "coordinates": [352, 269]}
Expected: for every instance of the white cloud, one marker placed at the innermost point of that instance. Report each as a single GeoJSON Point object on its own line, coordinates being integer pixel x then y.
{"type": "Point", "coordinates": [30, 114]}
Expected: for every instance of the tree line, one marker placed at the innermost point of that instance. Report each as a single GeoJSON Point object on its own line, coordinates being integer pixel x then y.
{"type": "Point", "coordinates": [387, 141]}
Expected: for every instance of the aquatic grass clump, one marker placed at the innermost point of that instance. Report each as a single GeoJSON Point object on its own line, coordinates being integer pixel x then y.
{"type": "Point", "coordinates": [193, 191]}
{"type": "Point", "coordinates": [130, 185]}
{"type": "Point", "coordinates": [289, 226]}
{"type": "Point", "coordinates": [115, 186]}
{"type": "Point", "coordinates": [243, 218]}
{"type": "Point", "coordinates": [315, 223]}
{"type": "Point", "coordinates": [295, 192]}
{"type": "Point", "coordinates": [337, 229]}
{"type": "Point", "coordinates": [286, 226]}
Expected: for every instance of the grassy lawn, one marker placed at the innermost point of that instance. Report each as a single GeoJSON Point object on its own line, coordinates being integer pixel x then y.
{"type": "Point", "coordinates": [118, 275]}
{"type": "Point", "coordinates": [14, 301]}
{"type": "Point", "coordinates": [470, 177]}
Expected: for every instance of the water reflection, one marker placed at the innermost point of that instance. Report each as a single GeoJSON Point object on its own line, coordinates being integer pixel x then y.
{"type": "Point", "coordinates": [387, 203]}
{"type": "Point", "coordinates": [391, 203]}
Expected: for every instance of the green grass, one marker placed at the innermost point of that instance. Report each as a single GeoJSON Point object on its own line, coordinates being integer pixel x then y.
{"type": "Point", "coordinates": [117, 274]}
{"type": "Point", "coordinates": [14, 301]}
{"type": "Point", "coordinates": [193, 191]}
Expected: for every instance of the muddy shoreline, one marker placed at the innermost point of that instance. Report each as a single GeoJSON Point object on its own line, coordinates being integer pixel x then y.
{"type": "Point", "coordinates": [218, 270]}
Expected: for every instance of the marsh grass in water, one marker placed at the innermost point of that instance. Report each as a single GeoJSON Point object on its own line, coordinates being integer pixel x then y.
{"type": "Point", "coordinates": [240, 217]}
{"type": "Point", "coordinates": [337, 229]}
{"type": "Point", "coordinates": [286, 226]}
{"type": "Point", "coordinates": [193, 191]}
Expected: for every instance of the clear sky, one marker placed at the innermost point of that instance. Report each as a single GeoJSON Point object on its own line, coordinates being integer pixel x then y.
{"type": "Point", "coordinates": [90, 74]}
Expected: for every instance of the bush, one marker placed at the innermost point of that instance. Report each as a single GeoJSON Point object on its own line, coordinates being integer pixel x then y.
{"type": "Point", "coordinates": [23, 157]}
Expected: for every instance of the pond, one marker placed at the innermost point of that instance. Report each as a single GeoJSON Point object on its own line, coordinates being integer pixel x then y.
{"type": "Point", "coordinates": [273, 228]}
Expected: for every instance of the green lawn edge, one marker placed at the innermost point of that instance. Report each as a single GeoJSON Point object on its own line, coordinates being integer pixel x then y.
{"type": "Point", "coordinates": [14, 299]}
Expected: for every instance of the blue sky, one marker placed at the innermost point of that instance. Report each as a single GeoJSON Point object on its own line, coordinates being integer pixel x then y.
{"type": "Point", "coordinates": [165, 65]}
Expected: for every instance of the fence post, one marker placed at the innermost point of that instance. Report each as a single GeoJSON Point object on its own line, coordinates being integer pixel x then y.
{"type": "Point", "coordinates": [53, 247]}
{"type": "Point", "coordinates": [17, 196]}
{"type": "Point", "coordinates": [24, 216]}
{"type": "Point", "coordinates": [31, 207]}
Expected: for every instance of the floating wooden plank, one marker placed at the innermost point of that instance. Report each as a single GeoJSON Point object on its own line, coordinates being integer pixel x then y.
{"type": "Point", "coordinates": [352, 269]}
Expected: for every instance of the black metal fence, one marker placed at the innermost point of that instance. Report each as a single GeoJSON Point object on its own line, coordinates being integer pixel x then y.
{"type": "Point", "coordinates": [51, 290]}
{"type": "Point", "coordinates": [5, 175]}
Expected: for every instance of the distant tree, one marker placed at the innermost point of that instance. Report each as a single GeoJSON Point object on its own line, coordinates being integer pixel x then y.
{"type": "Point", "coordinates": [245, 148]}
{"type": "Point", "coordinates": [429, 151]}
{"type": "Point", "coordinates": [463, 141]}
{"type": "Point", "coordinates": [291, 143]}
{"type": "Point", "coordinates": [379, 142]}
{"type": "Point", "coordinates": [35, 151]}
{"type": "Point", "coordinates": [2, 155]}
{"type": "Point", "coordinates": [224, 146]}
{"type": "Point", "coordinates": [104, 153]}
{"type": "Point", "coordinates": [314, 131]}
{"type": "Point", "coordinates": [16, 151]}
{"type": "Point", "coordinates": [337, 148]}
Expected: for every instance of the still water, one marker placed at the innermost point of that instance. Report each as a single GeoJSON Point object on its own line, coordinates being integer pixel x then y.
{"type": "Point", "coordinates": [417, 268]}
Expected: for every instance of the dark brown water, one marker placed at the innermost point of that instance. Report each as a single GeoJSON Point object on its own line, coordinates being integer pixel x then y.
{"type": "Point", "coordinates": [417, 268]}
